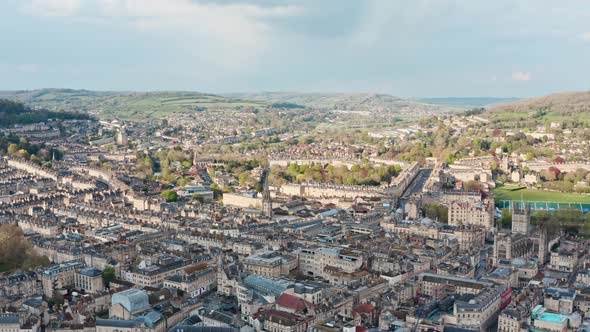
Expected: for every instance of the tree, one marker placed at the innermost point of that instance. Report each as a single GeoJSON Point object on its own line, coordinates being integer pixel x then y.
{"type": "Point", "coordinates": [22, 153]}
{"type": "Point", "coordinates": [56, 299]}
{"type": "Point", "coordinates": [472, 186]}
{"type": "Point", "coordinates": [259, 188]}
{"type": "Point", "coordinates": [145, 165]}
{"type": "Point", "coordinates": [217, 192]}
{"type": "Point", "coordinates": [169, 195]}
{"type": "Point", "coordinates": [449, 158]}
{"type": "Point", "coordinates": [506, 219]}
{"type": "Point", "coordinates": [198, 197]}
{"type": "Point", "coordinates": [555, 171]}
{"type": "Point", "coordinates": [182, 182]}
{"type": "Point", "coordinates": [33, 261]}
{"type": "Point", "coordinates": [477, 143]}
{"type": "Point", "coordinates": [12, 149]}
{"type": "Point", "coordinates": [187, 164]}
{"type": "Point", "coordinates": [108, 275]}
{"type": "Point", "coordinates": [16, 251]}
{"type": "Point", "coordinates": [436, 212]}
{"type": "Point", "coordinates": [529, 156]}
{"type": "Point", "coordinates": [244, 178]}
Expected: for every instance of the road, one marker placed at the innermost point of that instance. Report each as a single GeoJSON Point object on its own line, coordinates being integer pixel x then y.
{"type": "Point", "coordinates": [482, 266]}
{"type": "Point", "coordinates": [415, 186]}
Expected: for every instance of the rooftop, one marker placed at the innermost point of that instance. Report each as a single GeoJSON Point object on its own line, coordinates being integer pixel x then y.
{"type": "Point", "coordinates": [90, 272]}
{"type": "Point", "coordinates": [133, 299]}
{"type": "Point", "coordinates": [9, 319]}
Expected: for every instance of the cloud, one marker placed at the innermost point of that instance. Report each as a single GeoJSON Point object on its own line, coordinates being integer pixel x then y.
{"type": "Point", "coordinates": [29, 68]}
{"type": "Point", "coordinates": [586, 36]}
{"type": "Point", "coordinates": [232, 35]}
{"type": "Point", "coordinates": [291, 44]}
{"type": "Point", "coordinates": [385, 21]}
{"type": "Point", "coordinates": [51, 8]}
{"type": "Point", "coordinates": [521, 76]}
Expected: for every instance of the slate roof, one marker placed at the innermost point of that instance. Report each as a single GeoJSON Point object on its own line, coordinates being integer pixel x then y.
{"type": "Point", "coordinates": [9, 319]}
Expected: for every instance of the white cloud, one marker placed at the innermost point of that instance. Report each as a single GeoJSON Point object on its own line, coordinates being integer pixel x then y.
{"type": "Point", "coordinates": [52, 8]}
{"type": "Point", "coordinates": [230, 35]}
{"type": "Point", "coordinates": [586, 36]}
{"type": "Point", "coordinates": [29, 68]}
{"type": "Point", "coordinates": [387, 21]}
{"type": "Point", "coordinates": [521, 76]}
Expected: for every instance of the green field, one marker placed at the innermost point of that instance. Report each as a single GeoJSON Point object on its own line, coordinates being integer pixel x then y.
{"type": "Point", "coordinates": [509, 116]}
{"type": "Point", "coordinates": [507, 193]}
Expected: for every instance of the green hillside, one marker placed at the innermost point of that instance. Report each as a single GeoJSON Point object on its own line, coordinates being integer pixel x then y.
{"type": "Point", "coordinates": [127, 105]}
{"type": "Point", "coordinates": [322, 100]}
{"type": "Point", "coordinates": [140, 106]}
{"type": "Point", "coordinates": [15, 112]}
{"type": "Point", "coordinates": [368, 103]}
{"type": "Point", "coordinates": [467, 101]}
{"type": "Point", "coordinates": [569, 107]}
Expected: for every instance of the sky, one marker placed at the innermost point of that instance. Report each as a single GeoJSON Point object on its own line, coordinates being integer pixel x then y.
{"type": "Point", "coordinates": [407, 48]}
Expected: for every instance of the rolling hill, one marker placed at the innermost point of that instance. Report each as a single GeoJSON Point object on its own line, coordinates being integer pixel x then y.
{"type": "Point", "coordinates": [467, 101]}
{"type": "Point", "coordinates": [569, 106]}
{"type": "Point", "coordinates": [126, 105]}
{"type": "Point", "coordinates": [15, 112]}
{"type": "Point", "coordinates": [358, 102]}
{"type": "Point", "coordinates": [320, 100]}
{"type": "Point", "coordinates": [147, 105]}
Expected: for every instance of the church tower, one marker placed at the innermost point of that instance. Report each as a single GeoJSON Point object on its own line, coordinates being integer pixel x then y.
{"type": "Point", "coordinates": [505, 164]}
{"type": "Point", "coordinates": [266, 199]}
{"type": "Point", "coordinates": [122, 138]}
{"type": "Point", "coordinates": [521, 217]}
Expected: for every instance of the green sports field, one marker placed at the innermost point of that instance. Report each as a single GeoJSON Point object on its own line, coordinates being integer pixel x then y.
{"type": "Point", "coordinates": [511, 193]}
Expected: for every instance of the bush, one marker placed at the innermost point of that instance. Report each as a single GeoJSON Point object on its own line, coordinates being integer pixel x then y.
{"type": "Point", "coordinates": [169, 195]}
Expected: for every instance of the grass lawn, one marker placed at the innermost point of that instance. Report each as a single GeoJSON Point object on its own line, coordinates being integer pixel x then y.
{"type": "Point", "coordinates": [506, 193]}
{"type": "Point", "coordinates": [505, 116]}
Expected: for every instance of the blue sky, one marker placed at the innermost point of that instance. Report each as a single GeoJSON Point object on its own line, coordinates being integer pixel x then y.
{"type": "Point", "coordinates": [417, 48]}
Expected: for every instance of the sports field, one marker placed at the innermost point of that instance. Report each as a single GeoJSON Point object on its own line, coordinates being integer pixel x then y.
{"type": "Point", "coordinates": [512, 193]}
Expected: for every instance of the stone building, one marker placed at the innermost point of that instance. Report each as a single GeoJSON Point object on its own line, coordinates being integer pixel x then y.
{"type": "Point", "coordinates": [89, 280]}
{"type": "Point", "coordinates": [521, 220]}
{"type": "Point", "coordinates": [59, 276]}
{"type": "Point", "coordinates": [195, 284]}
{"type": "Point", "coordinates": [468, 236]}
{"type": "Point", "coordinates": [313, 261]}
{"type": "Point", "coordinates": [522, 242]}
{"type": "Point", "coordinates": [467, 213]}
{"type": "Point", "coordinates": [480, 312]}
{"type": "Point", "coordinates": [270, 264]}
{"type": "Point", "coordinates": [228, 278]}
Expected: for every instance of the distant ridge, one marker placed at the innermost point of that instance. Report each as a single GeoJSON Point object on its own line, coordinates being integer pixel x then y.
{"type": "Point", "coordinates": [568, 106]}
{"type": "Point", "coordinates": [319, 99]}
{"type": "Point", "coordinates": [560, 103]}
{"type": "Point", "coordinates": [145, 105]}
{"type": "Point", "coordinates": [468, 101]}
